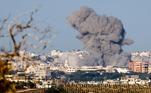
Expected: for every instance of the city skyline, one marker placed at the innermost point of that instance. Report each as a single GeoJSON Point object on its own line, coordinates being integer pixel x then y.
{"type": "Point", "coordinates": [134, 15]}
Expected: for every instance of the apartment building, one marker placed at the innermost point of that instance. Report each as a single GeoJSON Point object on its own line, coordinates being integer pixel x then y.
{"type": "Point", "coordinates": [138, 66]}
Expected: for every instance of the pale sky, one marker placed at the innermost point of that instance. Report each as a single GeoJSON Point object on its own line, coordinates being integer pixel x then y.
{"type": "Point", "coordinates": [135, 15]}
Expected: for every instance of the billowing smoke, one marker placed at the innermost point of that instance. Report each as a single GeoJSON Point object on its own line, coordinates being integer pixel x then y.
{"type": "Point", "coordinates": [102, 36]}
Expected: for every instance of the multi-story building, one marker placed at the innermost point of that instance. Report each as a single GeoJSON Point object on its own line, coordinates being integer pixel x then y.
{"type": "Point", "coordinates": [138, 66]}
{"type": "Point", "coordinates": [145, 67]}
{"type": "Point", "coordinates": [135, 66]}
{"type": "Point", "coordinates": [149, 68]}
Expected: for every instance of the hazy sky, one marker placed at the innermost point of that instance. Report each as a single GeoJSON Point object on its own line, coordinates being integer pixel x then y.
{"type": "Point", "coordinates": [135, 15]}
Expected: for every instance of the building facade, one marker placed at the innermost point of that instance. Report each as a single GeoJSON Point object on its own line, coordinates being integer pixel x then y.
{"type": "Point", "coordinates": [138, 66]}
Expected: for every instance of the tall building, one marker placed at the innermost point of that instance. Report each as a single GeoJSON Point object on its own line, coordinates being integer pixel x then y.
{"type": "Point", "coordinates": [138, 66]}
{"type": "Point", "coordinates": [149, 68]}
{"type": "Point", "coordinates": [145, 67]}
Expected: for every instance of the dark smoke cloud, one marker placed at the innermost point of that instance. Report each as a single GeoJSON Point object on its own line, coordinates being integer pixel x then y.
{"type": "Point", "coordinates": [103, 36]}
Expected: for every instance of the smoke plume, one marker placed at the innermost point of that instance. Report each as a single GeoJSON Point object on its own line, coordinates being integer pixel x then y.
{"type": "Point", "coordinates": [103, 37]}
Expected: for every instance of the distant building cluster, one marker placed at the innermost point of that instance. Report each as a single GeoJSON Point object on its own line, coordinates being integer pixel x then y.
{"type": "Point", "coordinates": [40, 67]}
{"type": "Point", "coordinates": [140, 62]}
{"type": "Point", "coordinates": [72, 58]}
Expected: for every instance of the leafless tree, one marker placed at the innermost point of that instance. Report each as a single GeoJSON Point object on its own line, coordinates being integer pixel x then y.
{"type": "Point", "coordinates": [24, 35]}
{"type": "Point", "coordinates": [21, 35]}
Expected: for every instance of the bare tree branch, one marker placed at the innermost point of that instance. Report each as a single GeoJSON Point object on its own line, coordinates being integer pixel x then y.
{"type": "Point", "coordinates": [26, 36]}
{"type": "Point", "coordinates": [2, 25]}
{"type": "Point", "coordinates": [17, 28]}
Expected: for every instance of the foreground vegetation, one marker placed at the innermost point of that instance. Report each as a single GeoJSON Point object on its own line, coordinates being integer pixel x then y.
{"type": "Point", "coordinates": [80, 88]}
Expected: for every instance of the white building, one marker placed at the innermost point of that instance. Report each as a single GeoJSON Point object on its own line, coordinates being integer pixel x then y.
{"type": "Point", "coordinates": [90, 68]}
{"type": "Point", "coordinates": [122, 70]}
{"type": "Point", "coordinates": [40, 71]}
